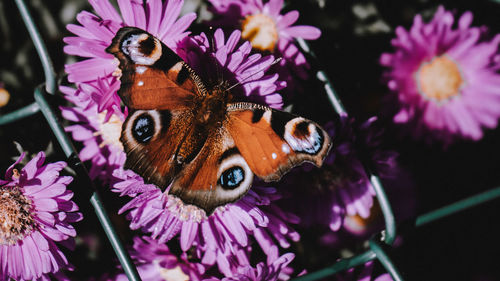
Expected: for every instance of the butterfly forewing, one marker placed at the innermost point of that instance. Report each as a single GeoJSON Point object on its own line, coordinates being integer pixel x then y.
{"type": "Point", "coordinates": [152, 75]}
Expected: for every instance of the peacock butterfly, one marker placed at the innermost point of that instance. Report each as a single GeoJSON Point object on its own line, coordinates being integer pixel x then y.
{"type": "Point", "coordinates": [181, 132]}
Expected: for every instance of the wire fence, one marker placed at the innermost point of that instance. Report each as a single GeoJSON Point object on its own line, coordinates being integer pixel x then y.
{"type": "Point", "coordinates": [376, 249]}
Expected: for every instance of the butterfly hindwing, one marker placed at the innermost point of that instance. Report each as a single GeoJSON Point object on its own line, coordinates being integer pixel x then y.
{"type": "Point", "coordinates": [151, 139]}
{"type": "Point", "coordinates": [272, 141]}
{"type": "Point", "coordinates": [216, 176]}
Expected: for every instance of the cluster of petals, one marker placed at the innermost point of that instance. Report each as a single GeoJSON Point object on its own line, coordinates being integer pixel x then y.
{"type": "Point", "coordinates": [100, 137]}
{"type": "Point", "coordinates": [463, 97]}
{"type": "Point", "coordinates": [155, 262]}
{"type": "Point", "coordinates": [235, 64]}
{"type": "Point", "coordinates": [218, 238]}
{"type": "Point", "coordinates": [294, 62]}
{"type": "Point", "coordinates": [35, 255]}
{"type": "Point", "coordinates": [341, 186]}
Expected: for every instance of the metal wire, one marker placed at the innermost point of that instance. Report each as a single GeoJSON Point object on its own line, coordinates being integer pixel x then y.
{"type": "Point", "coordinates": [385, 260]}
{"type": "Point", "coordinates": [48, 69]}
{"type": "Point", "coordinates": [19, 114]}
{"type": "Point", "coordinates": [339, 266]}
{"type": "Point", "coordinates": [458, 206]}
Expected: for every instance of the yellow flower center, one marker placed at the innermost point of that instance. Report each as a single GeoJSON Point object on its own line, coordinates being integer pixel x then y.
{"type": "Point", "coordinates": [16, 221]}
{"type": "Point", "coordinates": [110, 131]}
{"type": "Point", "coordinates": [4, 97]}
{"type": "Point", "coordinates": [440, 79]}
{"type": "Point", "coordinates": [261, 31]}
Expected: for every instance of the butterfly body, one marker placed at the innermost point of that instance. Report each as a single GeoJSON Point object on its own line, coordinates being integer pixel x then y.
{"type": "Point", "coordinates": [195, 138]}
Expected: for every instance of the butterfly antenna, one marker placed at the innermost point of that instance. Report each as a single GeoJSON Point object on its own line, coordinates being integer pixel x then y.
{"type": "Point", "coordinates": [251, 75]}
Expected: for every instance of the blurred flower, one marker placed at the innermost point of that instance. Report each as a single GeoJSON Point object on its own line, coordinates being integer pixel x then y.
{"type": "Point", "coordinates": [341, 188]}
{"type": "Point", "coordinates": [263, 271]}
{"type": "Point", "coordinates": [95, 33]}
{"type": "Point", "coordinates": [446, 79]}
{"type": "Point", "coordinates": [235, 66]}
{"type": "Point", "coordinates": [268, 30]}
{"type": "Point", "coordinates": [219, 237]}
{"type": "Point", "coordinates": [155, 262]}
{"type": "Point", "coordinates": [100, 138]}
{"type": "Point", "coordinates": [36, 213]}
{"type": "Point", "coordinates": [362, 274]}
{"type": "Point", "coordinates": [4, 96]}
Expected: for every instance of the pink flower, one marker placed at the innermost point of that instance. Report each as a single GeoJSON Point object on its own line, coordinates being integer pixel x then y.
{"type": "Point", "coordinates": [37, 213]}
{"type": "Point", "coordinates": [219, 238]}
{"type": "Point", "coordinates": [155, 262]}
{"type": "Point", "coordinates": [341, 187]}
{"type": "Point", "coordinates": [269, 30]}
{"type": "Point", "coordinates": [445, 78]}
{"type": "Point", "coordinates": [99, 134]}
{"type": "Point", "coordinates": [271, 271]}
{"type": "Point", "coordinates": [236, 66]}
{"type": "Point", "coordinates": [94, 35]}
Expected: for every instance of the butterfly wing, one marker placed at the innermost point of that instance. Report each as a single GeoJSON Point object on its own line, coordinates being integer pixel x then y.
{"type": "Point", "coordinates": [162, 92]}
{"type": "Point", "coordinates": [272, 142]}
{"type": "Point", "coordinates": [152, 75]}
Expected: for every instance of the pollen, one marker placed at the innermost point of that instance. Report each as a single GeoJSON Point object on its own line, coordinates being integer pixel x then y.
{"type": "Point", "coordinates": [183, 211]}
{"type": "Point", "coordinates": [16, 221]}
{"type": "Point", "coordinates": [440, 79]}
{"type": "Point", "coordinates": [261, 31]}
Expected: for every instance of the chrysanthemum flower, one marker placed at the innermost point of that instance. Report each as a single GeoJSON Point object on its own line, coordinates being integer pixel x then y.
{"type": "Point", "coordinates": [270, 271]}
{"type": "Point", "coordinates": [99, 134]}
{"type": "Point", "coordinates": [445, 78]}
{"type": "Point", "coordinates": [36, 212]}
{"type": "Point", "coordinates": [234, 63]}
{"type": "Point", "coordinates": [269, 30]}
{"type": "Point", "coordinates": [155, 262]}
{"type": "Point", "coordinates": [341, 187]}
{"type": "Point", "coordinates": [95, 33]}
{"type": "Point", "coordinates": [219, 237]}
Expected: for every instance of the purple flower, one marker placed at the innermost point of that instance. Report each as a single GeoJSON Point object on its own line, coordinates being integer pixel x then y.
{"type": "Point", "coordinates": [155, 262]}
{"type": "Point", "coordinates": [99, 132]}
{"type": "Point", "coordinates": [95, 33]}
{"type": "Point", "coordinates": [235, 65]}
{"type": "Point", "coordinates": [445, 78]}
{"type": "Point", "coordinates": [366, 274]}
{"type": "Point", "coordinates": [219, 238]}
{"type": "Point", "coordinates": [271, 271]}
{"type": "Point", "coordinates": [269, 30]}
{"type": "Point", "coordinates": [341, 188]}
{"type": "Point", "coordinates": [37, 212]}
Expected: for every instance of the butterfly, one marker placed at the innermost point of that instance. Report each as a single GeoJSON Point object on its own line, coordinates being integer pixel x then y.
{"type": "Point", "coordinates": [195, 138]}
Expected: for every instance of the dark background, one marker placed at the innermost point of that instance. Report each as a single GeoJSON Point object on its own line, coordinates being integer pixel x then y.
{"type": "Point", "coordinates": [464, 246]}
